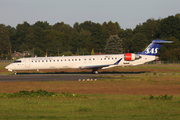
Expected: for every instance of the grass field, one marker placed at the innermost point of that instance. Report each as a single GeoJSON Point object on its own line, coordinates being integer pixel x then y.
{"type": "Point", "coordinates": [96, 106]}
{"type": "Point", "coordinates": [123, 96]}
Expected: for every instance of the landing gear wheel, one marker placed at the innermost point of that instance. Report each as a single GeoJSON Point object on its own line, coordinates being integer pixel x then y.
{"type": "Point", "coordinates": [15, 72]}
{"type": "Point", "coordinates": [95, 72]}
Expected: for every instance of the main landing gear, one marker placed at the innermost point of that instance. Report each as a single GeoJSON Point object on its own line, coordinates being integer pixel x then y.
{"type": "Point", "coordinates": [15, 72]}
{"type": "Point", "coordinates": [95, 72]}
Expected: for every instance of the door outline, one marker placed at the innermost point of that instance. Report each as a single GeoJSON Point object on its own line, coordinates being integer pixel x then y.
{"type": "Point", "coordinates": [85, 60]}
{"type": "Point", "coordinates": [27, 62]}
{"type": "Point", "coordinates": [90, 60]}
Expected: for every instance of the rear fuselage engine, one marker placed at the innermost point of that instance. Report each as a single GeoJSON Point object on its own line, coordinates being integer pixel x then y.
{"type": "Point", "coordinates": [131, 56]}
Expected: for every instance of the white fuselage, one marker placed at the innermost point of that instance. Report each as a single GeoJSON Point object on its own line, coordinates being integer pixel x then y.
{"type": "Point", "coordinates": [75, 62]}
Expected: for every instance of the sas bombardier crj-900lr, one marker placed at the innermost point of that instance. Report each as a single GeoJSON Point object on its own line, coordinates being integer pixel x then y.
{"type": "Point", "coordinates": [93, 62]}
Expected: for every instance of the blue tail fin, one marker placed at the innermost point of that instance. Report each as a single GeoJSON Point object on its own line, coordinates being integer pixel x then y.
{"type": "Point", "coordinates": [154, 47]}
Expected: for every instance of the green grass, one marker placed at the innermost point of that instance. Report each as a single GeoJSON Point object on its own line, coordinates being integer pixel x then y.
{"type": "Point", "coordinates": [155, 66]}
{"type": "Point", "coordinates": [93, 107]}
{"type": "Point", "coordinates": [98, 106]}
{"type": "Point", "coordinates": [38, 93]}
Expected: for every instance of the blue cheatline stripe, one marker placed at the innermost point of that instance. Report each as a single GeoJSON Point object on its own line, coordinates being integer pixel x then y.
{"type": "Point", "coordinates": [117, 61]}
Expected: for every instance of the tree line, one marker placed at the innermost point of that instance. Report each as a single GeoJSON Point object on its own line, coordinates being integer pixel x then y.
{"type": "Point", "coordinates": [60, 38]}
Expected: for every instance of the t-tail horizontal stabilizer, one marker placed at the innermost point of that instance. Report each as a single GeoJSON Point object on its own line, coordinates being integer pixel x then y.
{"type": "Point", "coordinates": [153, 47]}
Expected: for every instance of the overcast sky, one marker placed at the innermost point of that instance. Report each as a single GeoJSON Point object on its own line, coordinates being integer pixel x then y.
{"type": "Point", "coordinates": [128, 13]}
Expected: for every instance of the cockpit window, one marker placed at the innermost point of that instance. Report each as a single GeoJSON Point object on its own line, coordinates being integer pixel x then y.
{"type": "Point", "coordinates": [17, 61]}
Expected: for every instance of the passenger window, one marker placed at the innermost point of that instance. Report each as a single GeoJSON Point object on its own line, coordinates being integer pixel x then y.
{"type": "Point", "coordinates": [54, 60]}
{"type": "Point", "coordinates": [104, 58]}
{"type": "Point", "coordinates": [42, 60]}
{"type": "Point", "coordinates": [57, 60]}
{"type": "Point", "coordinates": [46, 60]}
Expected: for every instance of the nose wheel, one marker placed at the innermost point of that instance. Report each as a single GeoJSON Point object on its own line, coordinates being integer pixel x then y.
{"type": "Point", "coordinates": [15, 72]}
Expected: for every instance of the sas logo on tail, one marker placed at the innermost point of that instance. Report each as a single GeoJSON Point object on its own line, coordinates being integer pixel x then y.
{"type": "Point", "coordinates": [152, 51]}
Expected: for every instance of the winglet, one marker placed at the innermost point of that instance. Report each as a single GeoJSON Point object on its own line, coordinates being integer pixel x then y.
{"type": "Point", "coordinates": [116, 63]}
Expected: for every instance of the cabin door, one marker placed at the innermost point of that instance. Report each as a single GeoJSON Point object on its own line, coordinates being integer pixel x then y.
{"type": "Point", "coordinates": [27, 62]}
{"type": "Point", "coordinates": [90, 60]}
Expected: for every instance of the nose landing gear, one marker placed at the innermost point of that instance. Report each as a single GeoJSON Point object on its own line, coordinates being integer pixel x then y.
{"type": "Point", "coordinates": [15, 72]}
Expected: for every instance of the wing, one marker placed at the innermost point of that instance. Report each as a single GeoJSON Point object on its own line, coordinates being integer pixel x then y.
{"type": "Point", "coordinates": [100, 66]}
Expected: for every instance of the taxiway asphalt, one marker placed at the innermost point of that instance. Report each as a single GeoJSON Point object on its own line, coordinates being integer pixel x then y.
{"type": "Point", "coordinates": [45, 77]}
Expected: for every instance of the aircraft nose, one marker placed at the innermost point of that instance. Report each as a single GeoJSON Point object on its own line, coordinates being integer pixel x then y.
{"type": "Point", "coordinates": [6, 67]}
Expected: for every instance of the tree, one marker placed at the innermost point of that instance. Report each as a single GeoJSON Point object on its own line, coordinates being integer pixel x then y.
{"type": "Point", "coordinates": [92, 52]}
{"type": "Point", "coordinates": [167, 50]}
{"type": "Point", "coordinates": [42, 25]}
{"type": "Point", "coordinates": [76, 27]}
{"type": "Point", "coordinates": [87, 25]}
{"type": "Point", "coordinates": [148, 28]}
{"type": "Point", "coordinates": [138, 43]}
{"type": "Point", "coordinates": [96, 38]}
{"type": "Point", "coordinates": [22, 30]}
{"type": "Point", "coordinates": [127, 40]}
{"type": "Point", "coordinates": [114, 45]}
{"type": "Point", "coordinates": [169, 27]}
{"type": "Point", "coordinates": [84, 38]}
{"type": "Point", "coordinates": [84, 51]}
{"type": "Point", "coordinates": [172, 55]}
{"type": "Point", "coordinates": [12, 37]}
{"type": "Point", "coordinates": [66, 54]}
{"type": "Point", "coordinates": [53, 42]}
{"type": "Point", "coordinates": [118, 27]}
{"type": "Point", "coordinates": [5, 45]}
{"type": "Point", "coordinates": [38, 52]}
{"type": "Point", "coordinates": [112, 28]}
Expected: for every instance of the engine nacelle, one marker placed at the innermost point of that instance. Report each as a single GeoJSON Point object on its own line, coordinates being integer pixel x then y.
{"type": "Point", "coordinates": [129, 56]}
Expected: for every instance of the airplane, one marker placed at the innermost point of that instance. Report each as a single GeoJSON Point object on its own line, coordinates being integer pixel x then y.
{"type": "Point", "coordinates": [93, 62]}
